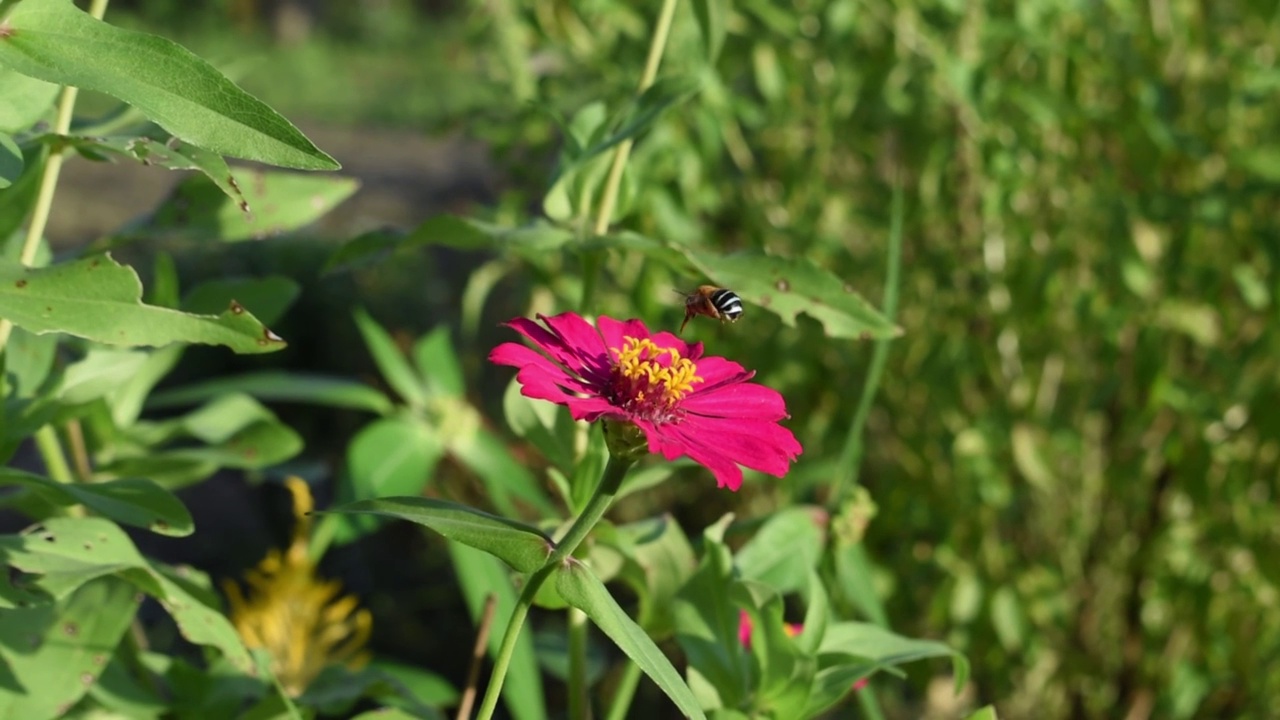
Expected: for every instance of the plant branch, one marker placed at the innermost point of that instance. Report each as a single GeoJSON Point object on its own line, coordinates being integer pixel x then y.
{"type": "Point", "coordinates": [610, 481]}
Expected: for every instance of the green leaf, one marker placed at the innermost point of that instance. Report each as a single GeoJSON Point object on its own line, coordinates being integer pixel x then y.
{"type": "Point", "coordinates": [336, 689]}
{"type": "Point", "coordinates": [789, 287]}
{"type": "Point", "coordinates": [584, 591]}
{"type": "Point", "coordinates": [70, 552]}
{"type": "Point", "coordinates": [174, 155]}
{"type": "Point", "coordinates": [99, 372]}
{"type": "Point", "coordinates": [392, 456]}
{"type": "Point", "coordinates": [482, 575]}
{"type": "Point", "coordinates": [505, 478]}
{"type": "Point", "coordinates": [278, 203]}
{"type": "Point", "coordinates": [521, 546]}
{"type": "Point", "coordinates": [784, 551]}
{"type": "Point", "coordinates": [426, 686]}
{"type": "Point", "coordinates": [132, 501]}
{"type": "Point", "coordinates": [438, 365]}
{"type": "Point", "coordinates": [98, 299]}
{"type": "Point", "coordinates": [706, 622]}
{"type": "Point", "coordinates": [664, 554]}
{"type": "Point", "coordinates": [53, 41]}
{"type": "Point", "coordinates": [528, 241]}
{"type": "Point", "coordinates": [28, 358]}
{"type": "Point", "coordinates": [128, 398]}
{"type": "Point", "coordinates": [17, 200]}
{"type": "Point", "coordinates": [23, 100]}
{"type": "Point", "coordinates": [536, 421]}
{"type": "Point", "coordinates": [882, 646]}
{"type": "Point", "coordinates": [711, 15]}
{"type": "Point", "coordinates": [54, 653]}
{"type": "Point", "coordinates": [393, 365]}
{"type": "Point", "coordinates": [275, 386]}
{"type": "Point", "coordinates": [267, 297]}
{"type": "Point", "coordinates": [984, 713]}
{"type": "Point", "coordinates": [11, 162]}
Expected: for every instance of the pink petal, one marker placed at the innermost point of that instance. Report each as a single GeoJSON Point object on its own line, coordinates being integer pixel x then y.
{"type": "Point", "coordinates": [573, 358]}
{"type": "Point", "coordinates": [577, 333]}
{"type": "Point", "coordinates": [716, 371]}
{"type": "Point", "coordinates": [538, 384]}
{"type": "Point", "coordinates": [671, 444]}
{"type": "Point", "coordinates": [759, 445]}
{"type": "Point", "coordinates": [668, 340]}
{"type": "Point", "coordinates": [744, 628]}
{"type": "Point", "coordinates": [592, 408]}
{"type": "Point", "coordinates": [517, 355]}
{"type": "Point", "coordinates": [736, 400]}
{"type": "Point", "coordinates": [614, 331]}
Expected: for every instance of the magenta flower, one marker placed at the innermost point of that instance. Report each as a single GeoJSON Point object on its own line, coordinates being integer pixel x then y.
{"type": "Point", "coordinates": [685, 403]}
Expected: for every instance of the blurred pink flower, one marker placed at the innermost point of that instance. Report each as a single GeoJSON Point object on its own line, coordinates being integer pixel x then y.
{"type": "Point", "coordinates": [685, 403]}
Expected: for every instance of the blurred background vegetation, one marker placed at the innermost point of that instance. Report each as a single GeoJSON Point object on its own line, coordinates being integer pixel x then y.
{"type": "Point", "coordinates": [1071, 467]}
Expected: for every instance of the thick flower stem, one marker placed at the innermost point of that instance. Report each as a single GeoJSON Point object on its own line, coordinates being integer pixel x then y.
{"type": "Point", "coordinates": [579, 695]}
{"type": "Point", "coordinates": [610, 481]}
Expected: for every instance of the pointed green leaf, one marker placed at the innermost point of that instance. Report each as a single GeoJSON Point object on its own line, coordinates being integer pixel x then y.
{"type": "Point", "coordinates": [54, 653]}
{"type": "Point", "coordinates": [584, 591]}
{"type": "Point", "coordinates": [274, 386]}
{"type": "Point", "coordinates": [521, 546]}
{"type": "Point", "coordinates": [875, 643]}
{"type": "Point", "coordinates": [98, 299]}
{"type": "Point", "coordinates": [390, 361]}
{"type": "Point", "coordinates": [132, 501]}
{"type": "Point", "coordinates": [53, 41]}
{"type": "Point", "coordinates": [789, 287]}
{"type": "Point", "coordinates": [785, 549]}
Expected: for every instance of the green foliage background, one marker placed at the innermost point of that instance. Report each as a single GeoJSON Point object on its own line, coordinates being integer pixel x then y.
{"type": "Point", "coordinates": [1071, 464]}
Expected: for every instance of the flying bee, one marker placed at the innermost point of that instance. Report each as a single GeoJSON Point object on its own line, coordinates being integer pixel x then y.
{"type": "Point", "coordinates": [714, 302]}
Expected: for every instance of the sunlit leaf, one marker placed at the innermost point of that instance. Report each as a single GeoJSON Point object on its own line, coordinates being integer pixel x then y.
{"type": "Point", "coordinates": [23, 100]}
{"type": "Point", "coordinates": [275, 386]}
{"type": "Point", "coordinates": [54, 41]}
{"type": "Point", "coordinates": [98, 299]}
{"type": "Point", "coordinates": [174, 155]}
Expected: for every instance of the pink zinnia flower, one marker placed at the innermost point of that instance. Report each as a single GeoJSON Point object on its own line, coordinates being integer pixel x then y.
{"type": "Point", "coordinates": [687, 404]}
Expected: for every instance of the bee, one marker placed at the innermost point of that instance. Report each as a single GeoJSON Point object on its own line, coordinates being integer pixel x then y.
{"type": "Point", "coordinates": [714, 302]}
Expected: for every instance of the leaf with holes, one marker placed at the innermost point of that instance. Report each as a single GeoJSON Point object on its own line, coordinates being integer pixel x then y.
{"type": "Point", "coordinates": [54, 653]}
{"type": "Point", "coordinates": [98, 299]}
{"type": "Point", "coordinates": [132, 501]}
{"type": "Point", "coordinates": [69, 552]}
{"type": "Point", "coordinates": [54, 41]}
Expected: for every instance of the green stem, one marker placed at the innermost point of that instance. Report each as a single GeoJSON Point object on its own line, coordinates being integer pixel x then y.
{"type": "Point", "coordinates": [610, 481]}
{"type": "Point", "coordinates": [579, 695]}
{"type": "Point", "coordinates": [847, 470]}
{"type": "Point", "coordinates": [613, 182]}
{"type": "Point", "coordinates": [626, 691]}
{"type": "Point", "coordinates": [55, 462]}
{"type": "Point", "coordinates": [49, 181]}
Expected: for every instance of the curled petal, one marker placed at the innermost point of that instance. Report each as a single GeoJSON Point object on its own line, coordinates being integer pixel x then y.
{"type": "Point", "coordinates": [614, 332]}
{"type": "Point", "coordinates": [577, 359]}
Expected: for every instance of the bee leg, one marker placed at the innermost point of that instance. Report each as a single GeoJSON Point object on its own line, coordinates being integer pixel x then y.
{"type": "Point", "coordinates": [686, 322]}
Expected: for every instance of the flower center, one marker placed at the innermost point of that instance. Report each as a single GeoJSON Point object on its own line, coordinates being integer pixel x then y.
{"type": "Point", "coordinates": [649, 380]}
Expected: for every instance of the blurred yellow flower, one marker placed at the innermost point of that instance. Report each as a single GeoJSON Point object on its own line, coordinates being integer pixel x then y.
{"type": "Point", "coordinates": [299, 619]}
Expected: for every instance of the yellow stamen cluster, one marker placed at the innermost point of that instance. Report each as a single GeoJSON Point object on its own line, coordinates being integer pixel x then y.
{"type": "Point", "coordinates": [651, 381]}
{"type": "Point", "coordinates": [299, 619]}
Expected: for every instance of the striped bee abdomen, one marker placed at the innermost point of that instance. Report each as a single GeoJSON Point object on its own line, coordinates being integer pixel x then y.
{"type": "Point", "coordinates": [727, 303]}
